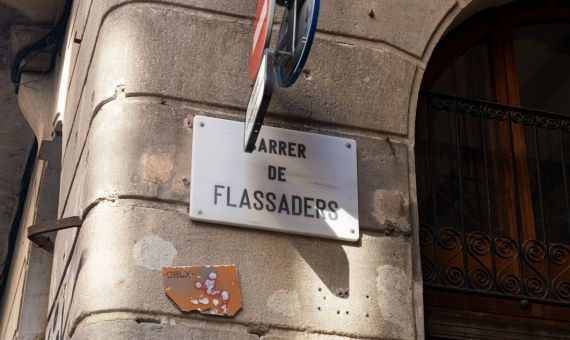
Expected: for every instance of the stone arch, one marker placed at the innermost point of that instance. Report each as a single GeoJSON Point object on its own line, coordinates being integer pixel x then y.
{"type": "Point", "coordinates": [461, 11]}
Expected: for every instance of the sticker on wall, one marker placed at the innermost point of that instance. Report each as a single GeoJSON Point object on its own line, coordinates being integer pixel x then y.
{"type": "Point", "coordinates": [213, 290]}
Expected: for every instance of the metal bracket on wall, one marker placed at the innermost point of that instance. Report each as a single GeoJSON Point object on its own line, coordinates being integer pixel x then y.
{"type": "Point", "coordinates": [36, 232]}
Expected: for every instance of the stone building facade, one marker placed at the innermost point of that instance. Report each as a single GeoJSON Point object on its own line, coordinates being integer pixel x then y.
{"type": "Point", "coordinates": [113, 123]}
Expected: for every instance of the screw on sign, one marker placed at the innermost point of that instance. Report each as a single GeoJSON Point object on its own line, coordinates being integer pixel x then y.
{"type": "Point", "coordinates": [261, 34]}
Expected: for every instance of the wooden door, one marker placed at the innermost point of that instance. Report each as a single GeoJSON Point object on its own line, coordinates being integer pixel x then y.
{"type": "Point", "coordinates": [511, 207]}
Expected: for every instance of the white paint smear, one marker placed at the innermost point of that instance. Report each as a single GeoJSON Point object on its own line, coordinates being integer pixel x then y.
{"type": "Point", "coordinates": [284, 302]}
{"type": "Point", "coordinates": [153, 252]}
{"type": "Point", "coordinates": [394, 295]}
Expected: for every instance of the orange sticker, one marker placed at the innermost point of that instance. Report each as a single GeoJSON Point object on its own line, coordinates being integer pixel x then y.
{"type": "Point", "coordinates": [213, 290]}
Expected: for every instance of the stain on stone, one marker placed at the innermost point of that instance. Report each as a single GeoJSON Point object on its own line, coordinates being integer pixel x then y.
{"type": "Point", "coordinates": [394, 295]}
{"type": "Point", "coordinates": [390, 228]}
{"type": "Point", "coordinates": [153, 252]}
{"type": "Point", "coordinates": [391, 145]}
{"type": "Point", "coordinates": [157, 168]}
{"type": "Point", "coordinates": [284, 302]}
{"type": "Point", "coordinates": [391, 210]}
{"type": "Point", "coordinates": [188, 123]}
{"type": "Point", "coordinates": [112, 197]}
{"type": "Point", "coordinates": [341, 292]}
{"type": "Point", "coordinates": [120, 87]}
{"type": "Point", "coordinates": [307, 74]}
{"type": "Point", "coordinates": [259, 330]}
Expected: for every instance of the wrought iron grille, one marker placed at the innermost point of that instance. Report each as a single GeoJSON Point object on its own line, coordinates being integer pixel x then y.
{"type": "Point", "coordinates": [469, 186]}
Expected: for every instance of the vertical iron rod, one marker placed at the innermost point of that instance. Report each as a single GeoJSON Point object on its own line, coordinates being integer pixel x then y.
{"type": "Point", "coordinates": [564, 171]}
{"type": "Point", "coordinates": [518, 217]}
{"type": "Point", "coordinates": [435, 227]}
{"type": "Point", "coordinates": [539, 175]}
{"type": "Point", "coordinates": [488, 194]}
{"type": "Point", "coordinates": [461, 208]}
{"type": "Point", "coordinates": [541, 203]}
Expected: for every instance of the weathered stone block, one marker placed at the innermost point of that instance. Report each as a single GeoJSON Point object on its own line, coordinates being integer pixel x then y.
{"type": "Point", "coordinates": [287, 281]}
{"type": "Point", "coordinates": [156, 163]}
{"type": "Point", "coordinates": [404, 24]}
{"type": "Point", "coordinates": [348, 84]}
{"type": "Point", "coordinates": [130, 155]}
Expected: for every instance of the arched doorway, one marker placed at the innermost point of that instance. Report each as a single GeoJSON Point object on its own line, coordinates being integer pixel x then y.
{"type": "Point", "coordinates": [493, 172]}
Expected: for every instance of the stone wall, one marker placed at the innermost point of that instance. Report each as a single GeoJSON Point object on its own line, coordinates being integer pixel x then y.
{"type": "Point", "coordinates": [136, 73]}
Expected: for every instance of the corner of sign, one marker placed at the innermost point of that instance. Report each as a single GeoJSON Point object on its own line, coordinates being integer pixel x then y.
{"type": "Point", "coordinates": [353, 142]}
{"type": "Point", "coordinates": [355, 238]}
{"type": "Point", "coordinates": [197, 119]}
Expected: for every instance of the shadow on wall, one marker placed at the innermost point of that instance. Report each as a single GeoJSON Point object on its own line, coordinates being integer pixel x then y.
{"type": "Point", "coordinates": [328, 261]}
{"type": "Point", "coordinates": [9, 15]}
{"type": "Point", "coordinates": [29, 12]}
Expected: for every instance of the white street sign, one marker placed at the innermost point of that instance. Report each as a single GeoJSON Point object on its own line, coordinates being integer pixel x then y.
{"type": "Point", "coordinates": [293, 182]}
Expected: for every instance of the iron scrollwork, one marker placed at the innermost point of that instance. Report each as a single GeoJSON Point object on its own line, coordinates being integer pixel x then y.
{"type": "Point", "coordinates": [495, 111]}
{"type": "Point", "coordinates": [499, 266]}
{"type": "Point", "coordinates": [451, 272]}
{"type": "Point", "coordinates": [479, 248]}
{"type": "Point", "coordinates": [559, 256]}
{"type": "Point", "coordinates": [485, 263]}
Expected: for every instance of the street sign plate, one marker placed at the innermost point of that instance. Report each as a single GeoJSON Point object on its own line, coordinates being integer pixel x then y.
{"type": "Point", "coordinates": [259, 101]}
{"type": "Point", "coordinates": [295, 39]}
{"type": "Point", "coordinates": [262, 26]}
{"type": "Point", "coordinates": [294, 182]}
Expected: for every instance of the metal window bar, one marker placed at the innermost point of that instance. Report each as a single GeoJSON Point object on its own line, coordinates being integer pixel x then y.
{"type": "Point", "coordinates": [543, 268]}
{"type": "Point", "coordinates": [433, 195]}
{"type": "Point", "coordinates": [518, 217]}
{"type": "Point", "coordinates": [541, 196]}
{"type": "Point", "coordinates": [488, 197]}
{"type": "Point", "coordinates": [460, 185]}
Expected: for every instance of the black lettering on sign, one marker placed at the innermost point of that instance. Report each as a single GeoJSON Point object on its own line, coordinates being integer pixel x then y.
{"type": "Point", "coordinates": [271, 172]}
{"type": "Point", "coordinates": [292, 149]}
{"type": "Point", "coordinates": [216, 193]}
{"type": "Point", "coordinates": [270, 206]}
{"type": "Point", "coordinates": [272, 146]}
{"type": "Point", "coordinates": [244, 200]}
{"type": "Point", "coordinates": [262, 146]}
{"type": "Point", "coordinates": [274, 173]}
{"type": "Point", "coordinates": [178, 275]}
{"type": "Point", "coordinates": [296, 205]}
{"type": "Point", "coordinates": [333, 206]}
{"type": "Point", "coordinates": [286, 204]}
{"type": "Point", "coordinates": [229, 204]}
{"type": "Point", "coordinates": [283, 205]}
{"type": "Point", "coordinates": [320, 205]}
{"type": "Point", "coordinates": [282, 148]}
{"type": "Point", "coordinates": [302, 151]}
{"type": "Point", "coordinates": [258, 196]}
{"type": "Point", "coordinates": [307, 207]}
{"type": "Point", "coordinates": [281, 174]}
